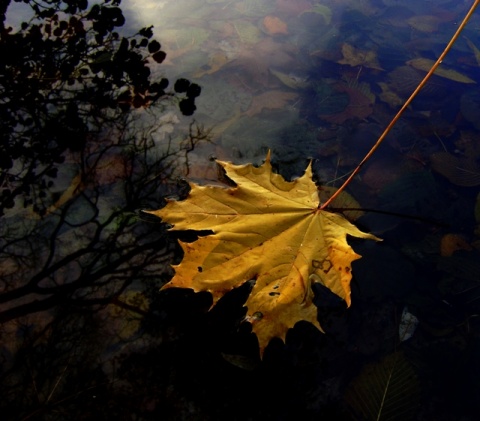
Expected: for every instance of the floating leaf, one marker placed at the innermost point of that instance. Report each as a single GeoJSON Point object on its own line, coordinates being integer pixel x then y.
{"type": "Point", "coordinates": [269, 230]}
{"type": "Point", "coordinates": [426, 64]}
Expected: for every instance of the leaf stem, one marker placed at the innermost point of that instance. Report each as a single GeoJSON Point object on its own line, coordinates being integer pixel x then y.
{"type": "Point", "coordinates": [404, 107]}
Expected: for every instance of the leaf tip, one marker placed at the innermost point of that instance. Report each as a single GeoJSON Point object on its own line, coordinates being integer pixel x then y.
{"type": "Point", "coordinates": [309, 168]}
{"type": "Point", "coordinates": [269, 155]}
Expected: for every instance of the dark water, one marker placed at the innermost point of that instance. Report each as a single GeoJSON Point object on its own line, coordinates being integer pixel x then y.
{"type": "Point", "coordinates": [92, 134]}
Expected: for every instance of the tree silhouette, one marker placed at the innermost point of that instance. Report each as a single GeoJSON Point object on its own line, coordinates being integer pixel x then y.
{"type": "Point", "coordinates": [84, 145]}
{"type": "Point", "coordinates": [63, 70]}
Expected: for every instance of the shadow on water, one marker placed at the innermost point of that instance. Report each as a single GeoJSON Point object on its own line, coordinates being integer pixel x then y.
{"type": "Point", "coordinates": [91, 133]}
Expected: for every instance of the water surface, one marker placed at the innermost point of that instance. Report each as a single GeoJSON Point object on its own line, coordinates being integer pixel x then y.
{"type": "Point", "coordinates": [86, 332]}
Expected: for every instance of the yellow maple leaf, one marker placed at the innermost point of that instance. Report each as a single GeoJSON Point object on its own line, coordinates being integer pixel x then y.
{"type": "Point", "coordinates": [268, 230]}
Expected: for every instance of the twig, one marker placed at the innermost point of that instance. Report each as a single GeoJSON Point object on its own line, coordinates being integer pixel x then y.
{"type": "Point", "coordinates": [404, 107]}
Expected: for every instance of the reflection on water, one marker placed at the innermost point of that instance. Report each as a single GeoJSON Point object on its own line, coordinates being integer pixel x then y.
{"type": "Point", "coordinates": [91, 134]}
{"type": "Point", "coordinates": [322, 64]}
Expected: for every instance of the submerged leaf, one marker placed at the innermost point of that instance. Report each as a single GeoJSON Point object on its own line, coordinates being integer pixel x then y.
{"type": "Point", "coordinates": [426, 64]}
{"type": "Point", "coordinates": [321, 10]}
{"type": "Point", "coordinates": [475, 50]}
{"type": "Point", "coordinates": [270, 100]}
{"type": "Point", "coordinates": [268, 230]}
{"type": "Point", "coordinates": [460, 171]}
{"type": "Point", "coordinates": [425, 23]}
{"type": "Point", "coordinates": [404, 80]}
{"type": "Point", "coordinates": [292, 8]}
{"type": "Point", "coordinates": [387, 390]}
{"type": "Point", "coordinates": [215, 63]}
{"type": "Point", "coordinates": [355, 57]}
{"type": "Point", "coordinates": [477, 209]}
{"type": "Point", "coordinates": [408, 325]}
{"type": "Point", "coordinates": [343, 202]}
{"type": "Point", "coordinates": [389, 96]}
{"type": "Point", "coordinates": [328, 100]}
{"type": "Point", "coordinates": [450, 243]}
{"type": "Point", "coordinates": [360, 102]}
{"type": "Point", "coordinates": [273, 25]}
{"type": "Point", "coordinates": [289, 79]}
{"type": "Point", "coordinates": [247, 32]}
{"type": "Point", "coordinates": [254, 8]}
